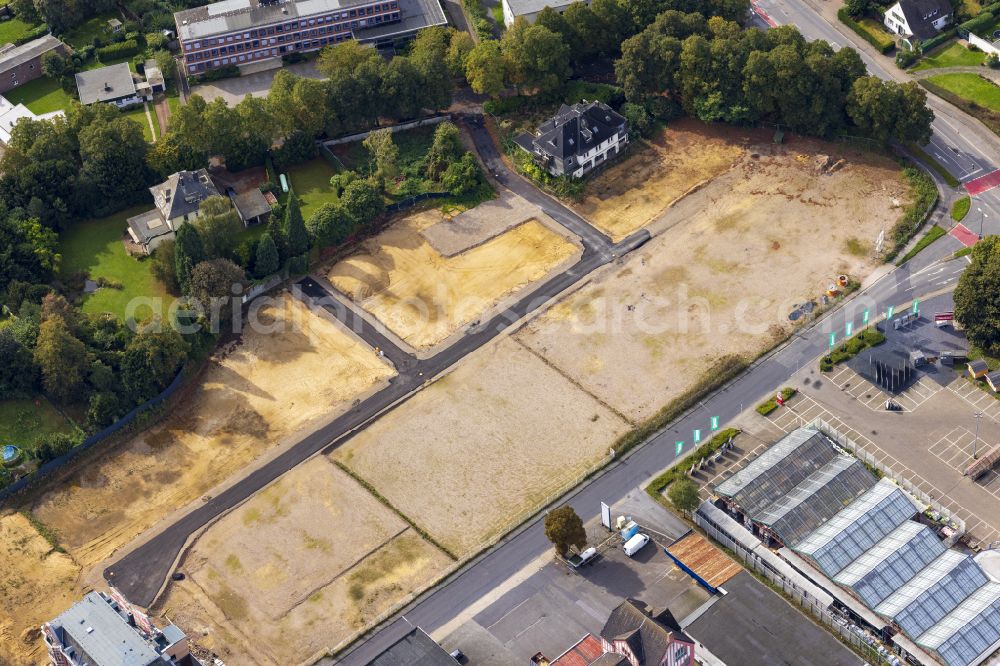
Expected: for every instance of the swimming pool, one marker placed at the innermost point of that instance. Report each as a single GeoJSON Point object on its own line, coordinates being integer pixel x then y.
{"type": "Point", "coordinates": [10, 453]}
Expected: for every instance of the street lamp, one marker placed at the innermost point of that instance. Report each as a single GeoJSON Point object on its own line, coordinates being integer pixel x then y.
{"type": "Point", "coordinates": [982, 218]}
{"type": "Point", "coordinates": [975, 447]}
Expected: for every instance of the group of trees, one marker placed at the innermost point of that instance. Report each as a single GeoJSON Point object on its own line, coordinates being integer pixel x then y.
{"type": "Point", "coordinates": [718, 71]}
{"type": "Point", "coordinates": [977, 296]}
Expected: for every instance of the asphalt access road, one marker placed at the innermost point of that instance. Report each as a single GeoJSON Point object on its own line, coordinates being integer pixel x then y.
{"type": "Point", "coordinates": [923, 275]}
{"type": "Point", "coordinates": [140, 574]}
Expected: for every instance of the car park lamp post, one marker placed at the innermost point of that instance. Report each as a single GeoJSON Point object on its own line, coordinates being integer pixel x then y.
{"type": "Point", "coordinates": [975, 446]}
{"type": "Point", "coordinates": [982, 218]}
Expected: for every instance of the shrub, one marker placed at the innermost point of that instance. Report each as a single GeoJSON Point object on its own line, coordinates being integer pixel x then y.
{"type": "Point", "coordinates": [299, 265]}
{"type": "Point", "coordinates": [770, 405]}
{"type": "Point", "coordinates": [126, 49]}
{"type": "Point", "coordinates": [905, 58]}
{"type": "Point", "coordinates": [224, 72]}
{"type": "Point", "coordinates": [56, 445]}
{"type": "Point", "coordinates": [879, 39]}
{"type": "Point", "coordinates": [992, 61]}
{"type": "Point", "coordinates": [937, 40]}
{"type": "Point", "coordinates": [298, 147]}
{"type": "Point", "coordinates": [984, 20]}
{"type": "Point", "coordinates": [925, 196]}
{"type": "Point", "coordinates": [33, 34]}
{"type": "Point", "coordinates": [870, 337]}
{"type": "Point", "coordinates": [676, 472]}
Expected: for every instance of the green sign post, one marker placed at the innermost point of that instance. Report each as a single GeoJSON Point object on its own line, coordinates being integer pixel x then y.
{"type": "Point", "coordinates": [916, 306]}
{"type": "Point", "coordinates": [715, 422]}
{"type": "Point", "coordinates": [864, 317]}
{"type": "Point", "coordinates": [890, 311]}
{"type": "Point", "coordinates": [833, 340]}
{"type": "Point", "coordinates": [697, 436]}
{"type": "Point", "coordinates": [680, 447]}
{"type": "Point", "coordinates": [848, 329]}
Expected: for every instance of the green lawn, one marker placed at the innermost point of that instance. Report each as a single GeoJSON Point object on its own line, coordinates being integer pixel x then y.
{"type": "Point", "coordinates": [13, 29]}
{"type": "Point", "coordinates": [42, 95]}
{"type": "Point", "coordinates": [22, 421]}
{"type": "Point", "coordinates": [971, 87]}
{"type": "Point", "coordinates": [95, 248]}
{"type": "Point", "coordinates": [138, 114]}
{"type": "Point", "coordinates": [952, 55]}
{"type": "Point", "coordinates": [85, 33]}
{"type": "Point", "coordinates": [311, 182]}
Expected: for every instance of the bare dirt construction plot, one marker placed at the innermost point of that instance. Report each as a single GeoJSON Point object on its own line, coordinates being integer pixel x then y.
{"type": "Point", "coordinates": [254, 396]}
{"type": "Point", "coordinates": [483, 446]}
{"type": "Point", "coordinates": [36, 584]}
{"type": "Point", "coordinates": [735, 256]}
{"type": "Point", "coordinates": [425, 297]}
{"type": "Point", "coordinates": [300, 567]}
{"type": "Point", "coordinates": [633, 192]}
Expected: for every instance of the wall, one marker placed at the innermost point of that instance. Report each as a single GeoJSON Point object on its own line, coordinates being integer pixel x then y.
{"type": "Point", "coordinates": [983, 45]}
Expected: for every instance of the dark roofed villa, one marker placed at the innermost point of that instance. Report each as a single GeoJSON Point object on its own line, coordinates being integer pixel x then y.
{"type": "Point", "coordinates": [577, 140]}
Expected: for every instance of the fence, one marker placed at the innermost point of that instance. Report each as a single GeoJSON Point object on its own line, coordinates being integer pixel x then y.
{"type": "Point", "coordinates": [393, 128]}
{"type": "Point", "coordinates": [255, 290]}
{"type": "Point", "coordinates": [56, 463]}
{"type": "Point", "coordinates": [414, 200]}
{"type": "Point", "coordinates": [902, 481]}
{"type": "Point", "coordinates": [854, 636]}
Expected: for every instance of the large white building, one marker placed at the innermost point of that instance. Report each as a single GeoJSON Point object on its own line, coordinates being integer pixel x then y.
{"type": "Point", "coordinates": [577, 140]}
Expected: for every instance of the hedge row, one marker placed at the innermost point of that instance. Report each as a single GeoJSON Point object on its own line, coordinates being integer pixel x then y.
{"type": "Point", "coordinates": [983, 20]}
{"type": "Point", "coordinates": [937, 40]}
{"type": "Point", "coordinates": [126, 49]}
{"type": "Point", "coordinates": [770, 405]}
{"type": "Point", "coordinates": [988, 117]}
{"type": "Point", "coordinates": [880, 40]}
{"type": "Point", "coordinates": [33, 34]}
{"type": "Point", "coordinates": [679, 471]}
{"type": "Point", "coordinates": [870, 337]}
{"type": "Point", "coordinates": [925, 196]}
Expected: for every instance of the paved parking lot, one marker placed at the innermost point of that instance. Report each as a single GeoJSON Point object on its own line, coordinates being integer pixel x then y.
{"type": "Point", "coordinates": [875, 398]}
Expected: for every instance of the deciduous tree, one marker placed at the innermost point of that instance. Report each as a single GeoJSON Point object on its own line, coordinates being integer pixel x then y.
{"type": "Point", "coordinates": [188, 253]}
{"type": "Point", "coordinates": [217, 285]}
{"type": "Point", "coordinates": [362, 200]}
{"type": "Point", "coordinates": [150, 362]}
{"type": "Point", "coordinates": [218, 226]}
{"type": "Point", "coordinates": [977, 296]}
{"type": "Point", "coordinates": [62, 359]}
{"type": "Point", "coordinates": [683, 494]}
{"type": "Point", "coordinates": [384, 153]}
{"type": "Point", "coordinates": [564, 529]}
{"type": "Point", "coordinates": [485, 69]}
{"type": "Point", "coordinates": [446, 148]}
{"type": "Point", "coordinates": [330, 225]}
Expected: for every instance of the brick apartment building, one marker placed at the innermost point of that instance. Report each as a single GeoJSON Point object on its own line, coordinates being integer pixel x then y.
{"type": "Point", "coordinates": [20, 64]}
{"type": "Point", "coordinates": [243, 32]}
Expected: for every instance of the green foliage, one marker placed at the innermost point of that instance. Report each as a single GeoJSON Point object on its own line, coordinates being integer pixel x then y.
{"type": "Point", "coordinates": [55, 445]}
{"type": "Point", "coordinates": [299, 265]}
{"type": "Point", "coordinates": [119, 51]}
{"type": "Point", "coordinates": [678, 470]}
{"type": "Point", "coordinates": [218, 226]}
{"type": "Point", "coordinates": [929, 160]}
{"type": "Point", "coordinates": [189, 251]}
{"type": "Point", "coordinates": [362, 200]}
{"type": "Point", "coordinates": [985, 19]}
{"type": "Point", "coordinates": [927, 45]}
{"type": "Point", "coordinates": [771, 404]}
{"type": "Point", "coordinates": [296, 236]}
{"type": "Point", "coordinates": [536, 57]}
{"type": "Point", "coordinates": [564, 528]}
{"type": "Point", "coordinates": [890, 111]}
{"type": "Point", "coordinates": [331, 225]}
{"type": "Point", "coordinates": [463, 176]}
{"type": "Point", "coordinates": [384, 153]}
{"type": "Point", "coordinates": [266, 261]}
{"type": "Point", "coordinates": [31, 35]}
{"type": "Point", "coordinates": [905, 58]}
{"type": "Point", "coordinates": [977, 296]}
{"type": "Point", "coordinates": [683, 494]}
{"type": "Point", "coordinates": [870, 31]}
{"type": "Point", "coordinates": [150, 362]}
{"type": "Point", "coordinates": [477, 17]}
{"type": "Point", "coordinates": [61, 357]}
{"type": "Point", "coordinates": [298, 147]}
{"type": "Point", "coordinates": [924, 197]}
{"type": "Point", "coordinates": [961, 208]}
{"type": "Point", "coordinates": [964, 252]}
{"type": "Point", "coordinates": [869, 337]}
{"type": "Point", "coordinates": [485, 69]}
{"type": "Point", "coordinates": [216, 285]}
{"type": "Point", "coordinates": [447, 148]}
{"type": "Point", "coordinates": [932, 235]}
{"type": "Point", "coordinates": [18, 374]}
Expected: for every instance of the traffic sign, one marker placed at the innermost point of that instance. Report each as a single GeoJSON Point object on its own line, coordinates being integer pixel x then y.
{"type": "Point", "coordinates": [697, 436]}
{"type": "Point", "coordinates": [848, 329]}
{"type": "Point", "coordinates": [680, 447]}
{"type": "Point", "coordinates": [715, 422]}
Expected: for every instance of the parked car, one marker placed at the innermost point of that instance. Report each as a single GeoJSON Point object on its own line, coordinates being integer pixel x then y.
{"type": "Point", "coordinates": [458, 656]}
{"type": "Point", "coordinates": [579, 560]}
{"type": "Point", "coordinates": [635, 544]}
{"type": "Point", "coordinates": [177, 575]}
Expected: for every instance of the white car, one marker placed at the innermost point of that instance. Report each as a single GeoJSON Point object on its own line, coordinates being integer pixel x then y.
{"type": "Point", "coordinates": [635, 544]}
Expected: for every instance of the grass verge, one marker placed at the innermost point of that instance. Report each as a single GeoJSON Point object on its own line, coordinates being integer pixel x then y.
{"type": "Point", "coordinates": [961, 208]}
{"type": "Point", "coordinates": [951, 55]}
{"type": "Point", "coordinates": [932, 235]}
{"type": "Point", "coordinates": [23, 422]}
{"type": "Point", "coordinates": [988, 116]}
{"type": "Point", "coordinates": [965, 251]}
{"type": "Point", "coordinates": [870, 337]}
{"type": "Point", "coordinates": [925, 195]}
{"type": "Point", "coordinates": [771, 404]}
{"type": "Point", "coordinates": [927, 159]}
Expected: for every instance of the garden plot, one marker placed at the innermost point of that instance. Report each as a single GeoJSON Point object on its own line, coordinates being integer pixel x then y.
{"type": "Point", "coordinates": [255, 396]}
{"type": "Point", "coordinates": [483, 447]}
{"type": "Point", "coordinates": [735, 257]}
{"type": "Point", "coordinates": [424, 296]}
{"type": "Point", "coordinates": [299, 568]}
{"type": "Point", "coordinates": [634, 191]}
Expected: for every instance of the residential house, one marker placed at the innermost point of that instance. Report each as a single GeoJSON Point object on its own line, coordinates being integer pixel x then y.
{"type": "Point", "coordinates": [11, 113]}
{"type": "Point", "coordinates": [530, 9]}
{"type": "Point", "coordinates": [646, 637]}
{"type": "Point", "coordinates": [20, 64]}
{"type": "Point", "coordinates": [918, 19]}
{"type": "Point", "coordinates": [246, 32]}
{"type": "Point", "coordinates": [113, 84]}
{"type": "Point", "coordinates": [106, 630]}
{"type": "Point", "coordinates": [577, 140]}
{"type": "Point", "coordinates": [415, 648]}
{"type": "Point", "coordinates": [178, 200]}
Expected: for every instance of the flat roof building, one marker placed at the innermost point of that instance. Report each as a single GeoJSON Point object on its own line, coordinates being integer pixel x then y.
{"type": "Point", "coordinates": [105, 630]}
{"type": "Point", "coordinates": [530, 9]}
{"type": "Point", "coordinates": [415, 648]}
{"type": "Point", "coordinates": [242, 32]}
{"type": "Point", "coordinates": [113, 84]}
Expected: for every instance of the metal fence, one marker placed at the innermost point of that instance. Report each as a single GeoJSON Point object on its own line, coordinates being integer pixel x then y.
{"type": "Point", "coordinates": [901, 479]}
{"type": "Point", "coordinates": [51, 466]}
{"type": "Point", "coordinates": [854, 636]}
{"type": "Point", "coordinates": [414, 200]}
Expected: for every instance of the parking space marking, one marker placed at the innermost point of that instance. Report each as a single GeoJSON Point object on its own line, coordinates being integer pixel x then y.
{"type": "Point", "coordinates": [978, 398]}
{"type": "Point", "coordinates": [875, 398]}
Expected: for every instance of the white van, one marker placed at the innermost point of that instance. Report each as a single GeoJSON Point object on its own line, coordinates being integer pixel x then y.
{"type": "Point", "coordinates": [635, 544]}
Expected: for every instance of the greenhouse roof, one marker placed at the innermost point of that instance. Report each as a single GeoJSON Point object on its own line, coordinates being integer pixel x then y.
{"type": "Point", "coordinates": [969, 633]}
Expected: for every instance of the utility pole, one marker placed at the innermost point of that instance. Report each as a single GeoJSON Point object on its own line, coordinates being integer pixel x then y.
{"type": "Point", "coordinates": [975, 447]}
{"type": "Point", "coordinates": [982, 218]}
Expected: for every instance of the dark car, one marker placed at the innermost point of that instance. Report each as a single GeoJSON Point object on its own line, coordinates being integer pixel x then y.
{"type": "Point", "coordinates": [177, 575]}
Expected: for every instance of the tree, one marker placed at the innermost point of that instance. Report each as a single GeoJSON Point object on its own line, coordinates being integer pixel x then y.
{"type": "Point", "coordinates": [28, 252]}
{"type": "Point", "coordinates": [463, 176]}
{"type": "Point", "coordinates": [384, 153]}
{"type": "Point", "coordinates": [536, 57]}
{"type": "Point", "coordinates": [164, 265]}
{"type": "Point", "coordinates": [857, 8]}
{"type": "Point", "coordinates": [446, 148]}
{"type": "Point", "coordinates": [362, 200]}
{"type": "Point", "coordinates": [485, 69]}
{"type": "Point", "coordinates": [188, 253]}
{"type": "Point", "coordinates": [564, 529]}
{"type": "Point", "coordinates": [218, 226]}
{"type": "Point", "coordinates": [683, 494]}
{"type": "Point", "coordinates": [25, 11]}
{"type": "Point", "coordinates": [113, 155]}
{"type": "Point", "coordinates": [150, 362]}
{"type": "Point", "coordinates": [890, 111]}
{"type": "Point", "coordinates": [330, 225]}
{"type": "Point", "coordinates": [166, 63]}
{"type": "Point", "coordinates": [276, 228]}
{"type": "Point", "coordinates": [62, 359]}
{"type": "Point", "coordinates": [266, 261]}
{"type": "Point", "coordinates": [977, 296]}
{"type": "Point", "coordinates": [429, 53]}
{"type": "Point", "coordinates": [216, 285]}
{"type": "Point", "coordinates": [54, 64]}
{"type": "Point", "coordinates": [459, 48]}
{"type": "Point", "coordinates": [61, 15]}
{"type": "Point", "coordinates": [295, 228]}
{"type": "Point", "coordinates": [18, 373]}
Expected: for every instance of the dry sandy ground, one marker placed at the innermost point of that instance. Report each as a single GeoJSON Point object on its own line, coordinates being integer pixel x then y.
{"type": "Point", "coordinates": [424, 297]}
{"type": "Point", "coordinates": [299, 568]}
{"type": "Point", "coordinates": [736, 255]}
{"type": "Point", "coordinates": [634, 191]}
{"type": "Point", "coordinates": [483, 446]}
{"type": "Point", "coordinates": [253, 397]}
{"type": "Point", "coordinates": [36, 584]}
